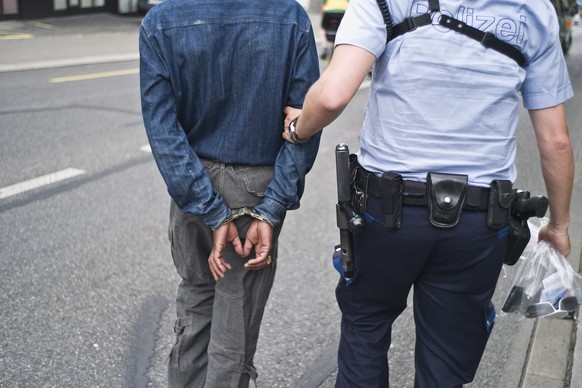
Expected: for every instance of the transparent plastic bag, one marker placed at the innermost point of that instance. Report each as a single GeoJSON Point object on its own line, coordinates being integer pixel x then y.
{"type": "Point", "coordinates": [545, 284]}
{"type": "Point", "coordinates": [534, 224]}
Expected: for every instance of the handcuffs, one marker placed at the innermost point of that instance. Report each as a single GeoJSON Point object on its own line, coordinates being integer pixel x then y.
{"type": "Point", "coordinates": [245, 211]}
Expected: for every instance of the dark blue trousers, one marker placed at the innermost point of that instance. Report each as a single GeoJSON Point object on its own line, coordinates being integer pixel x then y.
{"type": "Point", "coordinates": [454, 273]}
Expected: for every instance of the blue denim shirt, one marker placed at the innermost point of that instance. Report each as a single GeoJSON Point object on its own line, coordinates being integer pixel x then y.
{"type": "Point", "coordinates": [215, 76]}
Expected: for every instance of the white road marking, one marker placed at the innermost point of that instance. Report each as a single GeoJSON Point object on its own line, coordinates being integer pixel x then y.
{"type": "Point", "coordinates": [35, 183]}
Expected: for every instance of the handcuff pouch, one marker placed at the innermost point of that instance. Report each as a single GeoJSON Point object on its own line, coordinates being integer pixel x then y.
{"type": "Point", "coordinates": [499, 204]}
{"type": "Point", "coordinates": [391, 188]}
{"type": "Point", "coordinates": [446, 195]}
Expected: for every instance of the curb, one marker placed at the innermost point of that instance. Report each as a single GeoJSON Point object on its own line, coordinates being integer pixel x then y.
{"type": "Point", "coordinates": [576, 380]}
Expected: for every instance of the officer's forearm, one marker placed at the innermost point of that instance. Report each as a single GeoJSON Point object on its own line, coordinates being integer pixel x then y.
{"type": "Point", "coordinates": [338, 84]}
{"type": "Point", "coordinates": [557, 162]}
{"type": "Point", "coordinates": [558, 172]}
{"type": "Point", "coordinates": [318, 111]}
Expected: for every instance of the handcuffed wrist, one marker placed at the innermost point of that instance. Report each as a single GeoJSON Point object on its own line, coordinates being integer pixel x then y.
{"type": "Point", "coordinates": [272, 210]}
{"type": "Point", "coordinates": [228, 219]}
{"type": "Point", "coordinates": [248, 211]}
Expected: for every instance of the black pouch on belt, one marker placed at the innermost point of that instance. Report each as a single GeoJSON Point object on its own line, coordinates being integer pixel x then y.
{"type": "Point", "coordinates": [499, 204]}
{"type": "Point", "coordinates": [446, 195]}
{"type": "Point", "coordinates": [391, 199]}
{"type": "Point", "coordinates": [359, 195]}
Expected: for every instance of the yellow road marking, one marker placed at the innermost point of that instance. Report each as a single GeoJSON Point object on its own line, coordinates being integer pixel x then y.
{"type": "Point", "coordinates": [42, 25]}
{"type": "Point", "coordinates": [7, 35]}
{"type": "Point", "coordinates": [104, 74]}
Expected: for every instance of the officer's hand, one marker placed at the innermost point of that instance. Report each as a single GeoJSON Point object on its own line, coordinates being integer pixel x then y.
{"type": "Point", "coordinates": [290, 114]}
{"type": "Point", "coordinates": [558, 237]}
{"type": "Point", "coordinates": [260, 236]}
{"type": "Point", "coordinates": [226, 233]}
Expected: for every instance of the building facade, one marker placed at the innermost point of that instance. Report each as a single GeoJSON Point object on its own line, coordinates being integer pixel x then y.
{"type": "Point", "coordinates": [36, 9]}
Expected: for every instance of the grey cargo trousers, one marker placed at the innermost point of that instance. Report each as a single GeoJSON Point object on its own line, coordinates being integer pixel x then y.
{"type": "Point", "coordinates": [217, 325]}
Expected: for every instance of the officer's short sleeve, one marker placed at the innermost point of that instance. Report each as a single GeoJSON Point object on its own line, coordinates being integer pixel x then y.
{"type": "Point", "coordinates": [547, 82]}
{"type": "Point", "coordinates": [363, 26]}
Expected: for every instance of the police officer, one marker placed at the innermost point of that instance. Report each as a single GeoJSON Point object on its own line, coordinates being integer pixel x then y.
{"type": "Point", "coordinates": [439, 128]}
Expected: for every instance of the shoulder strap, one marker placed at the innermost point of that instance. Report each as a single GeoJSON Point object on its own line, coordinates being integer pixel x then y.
{"type": "Point", "coordinates": [412, 23]}
{"type": "Point", "coordinates": [487, 39]}
{"type": "Point", "coordinates": [387, 18]}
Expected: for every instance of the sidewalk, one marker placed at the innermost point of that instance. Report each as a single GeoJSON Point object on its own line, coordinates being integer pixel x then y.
{"type": "Point", "coordinates": [555, 353]}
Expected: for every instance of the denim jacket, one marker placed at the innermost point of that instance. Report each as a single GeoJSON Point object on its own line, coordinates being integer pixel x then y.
{"type": "Point", "coordinates": [215, 76]}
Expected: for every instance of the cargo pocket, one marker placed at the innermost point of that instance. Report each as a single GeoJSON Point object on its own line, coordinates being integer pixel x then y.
{"type": "Point", "coordinates": [190, 244]}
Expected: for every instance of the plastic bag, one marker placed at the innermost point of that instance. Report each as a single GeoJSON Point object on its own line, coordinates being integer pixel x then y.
{"type": "Point", "coordinates": [534, 224]}
{"type": "Point", "coordinates": [545, 285]}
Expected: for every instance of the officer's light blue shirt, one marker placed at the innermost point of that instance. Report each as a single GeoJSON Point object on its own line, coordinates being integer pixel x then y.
{"type": "Point", "coordinates": [215, 76]}
{"type": "Point", "coordinates": [440, 101]}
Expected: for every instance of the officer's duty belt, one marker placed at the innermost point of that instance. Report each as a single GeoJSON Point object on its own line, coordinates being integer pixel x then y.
{"type": "Point", "coordinates": [414, 193]}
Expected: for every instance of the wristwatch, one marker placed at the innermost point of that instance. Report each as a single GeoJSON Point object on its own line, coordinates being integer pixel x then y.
{"type": "Point", "coordinates": [293, 133]}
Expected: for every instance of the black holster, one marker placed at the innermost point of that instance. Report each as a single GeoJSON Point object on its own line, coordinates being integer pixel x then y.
{"type": "Point", "coordinates": [522, 207]}
{"type": "Point", "coordinates": [388, 188]}
{"type": "Point", "coordinates": [499, 215]}
{"type": "Point", "coordinates": [517, 240]}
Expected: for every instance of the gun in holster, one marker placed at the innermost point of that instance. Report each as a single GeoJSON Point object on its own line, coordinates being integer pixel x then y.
{"type": "Point", "coordinates": [348, 221]}
{"type": "Point", "coordinates": [522, 207]}
{"type": "Point", "coordinates": [513, 207]}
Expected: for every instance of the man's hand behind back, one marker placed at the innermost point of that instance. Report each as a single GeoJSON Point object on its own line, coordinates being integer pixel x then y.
{"type": "Point", "coordinates": [260, 237]}
{"type": "Point", "coordinates": [226, 233]}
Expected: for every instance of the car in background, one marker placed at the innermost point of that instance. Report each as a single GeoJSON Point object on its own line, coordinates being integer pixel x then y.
{"type": "Point", "coordinates": [565, 9]}
{"type": "Point", "coordinates": [143, 6]}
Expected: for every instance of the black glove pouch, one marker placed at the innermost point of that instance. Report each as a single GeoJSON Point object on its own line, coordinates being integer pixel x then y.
{"type": "Point", "coordinates": [391, 199]}
{"type": "Point", "coordinates": [499, 204]}
{"type": "Point", "coordinates": [446, 195]}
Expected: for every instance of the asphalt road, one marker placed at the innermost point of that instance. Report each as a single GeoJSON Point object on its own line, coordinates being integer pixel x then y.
{"type": "Point", "coordinates": [87, 282]}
